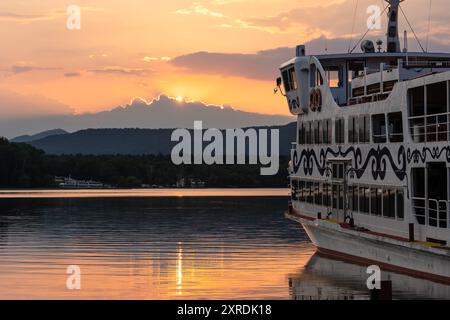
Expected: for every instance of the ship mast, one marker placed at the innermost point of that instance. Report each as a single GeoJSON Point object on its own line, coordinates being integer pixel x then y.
{"type": "Point", "coordinates": [393, 40]}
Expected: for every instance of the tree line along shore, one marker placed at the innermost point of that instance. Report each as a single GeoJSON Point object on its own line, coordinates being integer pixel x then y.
{"type": "Point", "coordinates": [23, 166]}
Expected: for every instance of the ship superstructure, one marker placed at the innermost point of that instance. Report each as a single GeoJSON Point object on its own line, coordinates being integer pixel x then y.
{"type": "Point", "coordinates": [370, 168]}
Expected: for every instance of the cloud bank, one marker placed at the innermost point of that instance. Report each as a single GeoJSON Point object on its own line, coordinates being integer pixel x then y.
{"type": "Point", "coordinates": [163, 112]}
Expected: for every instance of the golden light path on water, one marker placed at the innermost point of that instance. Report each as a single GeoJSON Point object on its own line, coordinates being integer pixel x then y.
{"type": "Point", "coordinates": [187, 247]}
{"type": "Point", "coordinates": [187, 277]}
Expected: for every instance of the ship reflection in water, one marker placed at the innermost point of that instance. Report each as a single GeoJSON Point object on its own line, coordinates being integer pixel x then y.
{"type": "Point", "coordinates": [171, 248]}
{"type": "Point", "coordinates": [324, 278]}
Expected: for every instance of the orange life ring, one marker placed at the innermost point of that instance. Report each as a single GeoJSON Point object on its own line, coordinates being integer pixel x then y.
{"type": "Point", "coordinates": [315, 100]}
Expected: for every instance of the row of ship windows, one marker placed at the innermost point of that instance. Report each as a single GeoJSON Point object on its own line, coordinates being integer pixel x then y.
{"type": "Point", "coordinates": [386, 202]}
{"type": "Point", "coordinates": [384, 128]}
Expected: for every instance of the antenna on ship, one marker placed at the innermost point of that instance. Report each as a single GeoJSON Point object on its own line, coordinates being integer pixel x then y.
{"type": "Point", "coordinates": [393, 40]}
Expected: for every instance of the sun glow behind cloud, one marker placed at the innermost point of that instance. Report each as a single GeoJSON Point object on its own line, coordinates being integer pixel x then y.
{"type": "Point", "coordinates": [128, 49]}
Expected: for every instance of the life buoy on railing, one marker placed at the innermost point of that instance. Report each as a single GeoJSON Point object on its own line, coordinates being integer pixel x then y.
{"type": "Point", "coordinates": [315, 99]}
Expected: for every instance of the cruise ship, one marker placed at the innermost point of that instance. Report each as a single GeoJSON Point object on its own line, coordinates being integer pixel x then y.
{"type": "Point", "coordinates": [369, 172]}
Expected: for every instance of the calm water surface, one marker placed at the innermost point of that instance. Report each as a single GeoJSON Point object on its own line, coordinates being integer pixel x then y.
{"type": "Point", "coordinates": [177, 247]}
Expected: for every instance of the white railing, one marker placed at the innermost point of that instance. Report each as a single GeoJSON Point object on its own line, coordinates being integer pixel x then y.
{"type": "Point", "coordinates": [425, 64]}
{"type": "Point", "coordinates": [432, 212]}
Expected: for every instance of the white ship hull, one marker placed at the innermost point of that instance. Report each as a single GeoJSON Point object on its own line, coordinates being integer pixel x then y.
{"type": "Point", "coordinates": [410, 258]}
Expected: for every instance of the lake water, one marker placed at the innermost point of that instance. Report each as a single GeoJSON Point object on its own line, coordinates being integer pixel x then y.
{"type": "Point", "coordinates": [182, 244]}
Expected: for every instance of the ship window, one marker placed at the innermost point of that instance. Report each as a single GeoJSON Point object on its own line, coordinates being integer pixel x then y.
{"type": "Point", "coordinates": [373, 88]}
{"type": "Point", "coordinates": [308, 133]}
{"type": "Point", "coordinates": [379, 128]}
{"type": "Point", "coordinates": [389, 203]}
{"type": "Point", "coordinates": [316, 132]}
{"type": "Point", "coordinates": [418, 176]}
{"type": "Point", "coordinates": [337, 193]}
{"type": "Point", "coordinates": [389, 85]}
{"type": "Point", "coordinates": [437, 98]}
{"type": "Point", "coordinates": [358, 92]}
{"type": "Point", "coordinates": [320, 132]}
{"type": "Point", "coordinates": [312, 75]}
{"type": "Point", "coordinates": [436, 120]}
{"type": "Point", "coordinates": [364, 199]}
{"type": "Point", "coordinates": [416, 101]}
{"type": "Point", "coordinates": [316, 79]}
{"type": "Point", "coordinates": [338, 171]}
{"type": "Point", "coordinates": [302, 191]}
{"type": "Point", "coordinates": [326, 194]}
{"type": "Point", "coordinates": [292, 79]}
{"type": "Point", "coordinates": [395, 127]}
{"type": "Point", "coordinates": [334, 77]}
{"type": "Point", "coordinates": [400, 204]}
{"type": "Point", "coordinates": [364, 129]}
{"type": "Point", "coordinates": [317, 193]}
{"type": "Point", "coordinates": [350, 197]}
{"type": "Point", "coordinates": [309, 195]}
{"type": "Point", "coordinates": [341, 196]}
{"type": "Point", "coordinates": [418, 191]}
{"type": "Point", "coordinates": [353, 198]}
{"type": "Point", "coordinates": [289, 79]}
{"type": "Point", "coordinates": [339, 131]}
{"type": "Point", "coordinates": [353, 130]}
{"type": "Point", "coordinates": [294, 189]}
{"type": "Point", "coordinates": [285, 75]}
{"type": "Point", "coordinates": [319, 79]}
{"type": "Point", "coordinates": [301, 133]}
{"type": "Point", "coordinates": [375, 201]}
{"type": "Point", "coordinates": [326, 128]}
{"type": "Point", "coordinates": [355, 194]}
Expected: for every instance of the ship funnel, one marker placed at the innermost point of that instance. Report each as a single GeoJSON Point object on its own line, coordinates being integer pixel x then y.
{"type": "Point", "coordinates": [300, 51]}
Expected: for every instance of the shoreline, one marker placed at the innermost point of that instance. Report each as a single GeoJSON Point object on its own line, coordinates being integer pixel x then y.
{"type": "Point", "coordinates": [142, 193]}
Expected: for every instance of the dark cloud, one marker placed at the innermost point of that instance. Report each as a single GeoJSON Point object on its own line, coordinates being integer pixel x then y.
{"type": "Point", "coordinates": [122, 71]}
{"type": "Point", "coordinates": [72, 74]}
{"type": "Point", "coordinates": [19, 17]}
{"type": "Point", "coordinates": [255, 66]}
{"type": "Point", "coordinates": [263, 65]}
{"type": "Point", "coordinates": [24, 69]}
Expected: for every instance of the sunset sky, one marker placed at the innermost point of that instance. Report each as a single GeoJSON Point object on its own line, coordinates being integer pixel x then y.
{"type": "Point", "coordinates": [222, 52]}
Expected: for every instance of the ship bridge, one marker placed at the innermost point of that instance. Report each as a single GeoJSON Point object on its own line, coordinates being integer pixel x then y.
{"type": "Point", "coordinates": [355, 78]}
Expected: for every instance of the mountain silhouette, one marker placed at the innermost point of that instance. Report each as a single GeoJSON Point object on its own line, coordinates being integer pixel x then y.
{"type": "Point", "coordinates": [132, 141]}
{"type": "Point", "coordinates": [38, 136]}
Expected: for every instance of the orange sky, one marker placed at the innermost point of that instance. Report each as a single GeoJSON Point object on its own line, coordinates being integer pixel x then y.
{"type": "Point", "coordinates": [124, 48]}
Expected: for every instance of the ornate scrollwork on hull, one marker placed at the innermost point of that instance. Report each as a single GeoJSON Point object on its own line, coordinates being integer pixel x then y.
{"type": "Point", "coordinates": [421, 156]}
{"type": "Point", "coordinates": [377, 158]}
